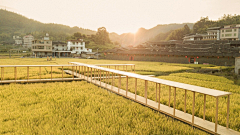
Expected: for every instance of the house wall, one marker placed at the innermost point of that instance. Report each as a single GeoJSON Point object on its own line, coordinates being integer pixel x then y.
{"type": "Point", "coordinates": [27, 41]}
{"type": "Point", "coordinates": [237, 65]}
{"type": "Point", "coordinates": [225, 35]}
{"type": "Point", "coordinates": [59, 47]}
{"type": "Point", "coordinates": [221, 61]}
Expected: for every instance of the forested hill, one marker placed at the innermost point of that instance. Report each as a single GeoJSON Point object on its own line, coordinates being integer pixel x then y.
{"type": "Point", "coordinates": [15, 24]}
{"type": "Point", "coordinates": [144, 35]}
{"type": "Point", "coordinates": [200, 26]}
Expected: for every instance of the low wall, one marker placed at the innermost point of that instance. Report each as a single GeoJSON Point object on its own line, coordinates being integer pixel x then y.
{"type": "Point", "coordinates": [221, 61]}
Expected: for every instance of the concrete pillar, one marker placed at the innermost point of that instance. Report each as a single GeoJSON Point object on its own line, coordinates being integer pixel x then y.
{"type": "Point", "coordinates": [237, 65]}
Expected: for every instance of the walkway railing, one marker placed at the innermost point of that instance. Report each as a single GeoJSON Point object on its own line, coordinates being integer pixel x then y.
{"type": "Point", "coordinates": [92, 70]}
{"type": "Point", "coordinates": [95, 74]}
{"type": "Point", "coordinates": [37, 70]}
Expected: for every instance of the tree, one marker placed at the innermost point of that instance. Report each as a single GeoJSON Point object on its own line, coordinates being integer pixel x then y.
{"type": "Point", "coordinates": [77, 35]}
{"type": "Point", "coordinates": [102, 36]}
{"type": "Point", "coordinates": [116, 43]}
{"type": "Point", "coordinates": [179, 33]}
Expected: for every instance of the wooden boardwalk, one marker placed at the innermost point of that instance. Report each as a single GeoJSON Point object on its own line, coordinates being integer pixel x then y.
{"type": "Point", "coordinates": [88, 72]}
{"type": "Point", "coordinates": [39, 80]}
{"type": "Point", "coordinates": [173, 112]}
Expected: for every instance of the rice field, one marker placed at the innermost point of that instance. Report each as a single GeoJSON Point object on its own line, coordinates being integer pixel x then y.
{"type": "Point", "coordinates": [78, 108]}
{"type": "Point", "coordinates": [47, 122]}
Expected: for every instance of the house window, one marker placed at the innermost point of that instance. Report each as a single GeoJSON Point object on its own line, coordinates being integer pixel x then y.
{"type": "Point", "coordinates": [48, 47]}
{"type": "Point", "coordinates": [228, 35]}
{"type": "Point", "coordinates": [235, 30]}
{"type": "Point", "coordinates": [229, 30]}
{"type": "Point", "coordinates": [235, 34]}
{"type": "Point", "coordinates": [40, 47]}
{"type": "Point", "coordinates": [222, 35]}
{"type": "Point", "coordinates": [222, 30]}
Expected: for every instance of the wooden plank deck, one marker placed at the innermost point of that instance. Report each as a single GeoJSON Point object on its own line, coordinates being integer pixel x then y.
{"type": "Point", "coordinates": [180, 115]}
{"type": "Point", "coordinates": [193, 88]}
{"type": "Point", "coordinates": [39, 80]}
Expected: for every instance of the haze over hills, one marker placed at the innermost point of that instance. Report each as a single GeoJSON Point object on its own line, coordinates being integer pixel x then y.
{"type": "Point", "coordinates": [14, 24]}
{"type": "Point", "coordinates": [143, 35]}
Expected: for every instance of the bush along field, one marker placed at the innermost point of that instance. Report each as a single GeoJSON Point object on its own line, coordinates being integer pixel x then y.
{"type": "Point", "coordinates": [200, 75]}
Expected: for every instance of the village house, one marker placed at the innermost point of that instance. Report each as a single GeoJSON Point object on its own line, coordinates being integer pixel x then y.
{"type": "Point", "coordinates": [228, 32]}
{"type": "Point", "coordinates": [18, 40]}
{"type": "Point", "coordinates": [46, 47]}
{"type": "Point", "coordinates": [43, 47]}
{"type": "Point", "coordinates": [27, 41]}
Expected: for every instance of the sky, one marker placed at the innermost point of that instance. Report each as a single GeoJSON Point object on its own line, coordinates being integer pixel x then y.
{"type": "Point", "coordinates": [121, 16]}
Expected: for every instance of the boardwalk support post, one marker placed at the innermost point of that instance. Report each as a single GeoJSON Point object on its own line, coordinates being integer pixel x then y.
{"type": "Point", "coordinates": [193, 108]}
{"type": "Point", "coordinates": [169, 100]}
{"type": "Point", "coordinates": [216, 116]}
{"type": "Point", "coordinates": [15, 73]}
{"type": "Point", "coordinates": [2, 73]}
{"type": "Point", "coordinates": [100, 79]}
{"type": "Point", "coordinates": [27, 73]}
{"type": "Point", "coordinates": [146, 87]}
{"type": "Point", "coordinates": [91, 75]}
{"type": "Point", "coordinates": [185, 100]}
{"type": "Point", "coordinates": [204, 107]}
{"type": "Point", "coordinates": [51, 72]}
{"type": "Point", "coordinates": [174, 105]}
{"type": "Point", "coordinates": [72, 72]}
{"type": "Point", "coordinates": [119, 83]}
{"type": "Point", "coordinates": [159, 91]}
{"type": "Point", "coordinates": [126, 85]}
{"type": "Point", "coordinates": [228, 103]}
{"type": "Point", "coordinates": [135, 88]}
{"type": "Point", "coordinates": [40, 73]}
{"type": "Point", "coordinates": [62, 72]}
{"type": "Point", "coordinates": [112, 81]}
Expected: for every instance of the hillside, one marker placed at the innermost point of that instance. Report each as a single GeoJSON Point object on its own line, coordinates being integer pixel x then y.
{"type": "Point", "coordinates": [144, 35]}
{"type": "Point", "coordinates": [15, 24]}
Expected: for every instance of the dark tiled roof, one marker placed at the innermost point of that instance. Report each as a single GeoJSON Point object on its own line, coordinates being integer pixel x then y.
{"type": "Point", "coordinates": [194, 48]}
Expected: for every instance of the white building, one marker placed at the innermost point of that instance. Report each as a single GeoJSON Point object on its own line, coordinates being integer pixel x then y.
{"type": "Point", "coordinates": [73, 47]}
{"type": "Point", "coordinates": [27, 41]}
{"type": "Point", "coordinates": [59, 49]}
{"type": "Point", "coordinates": [213, 33]}
{"type": "Point", "coordinates": [230, 32]}
{"type": "Point", "coordinates": [192, 37]}
{"type": "Point", "coordinates": [77, 46]}
{"type": "Point", "coordinates": [18, 40]}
